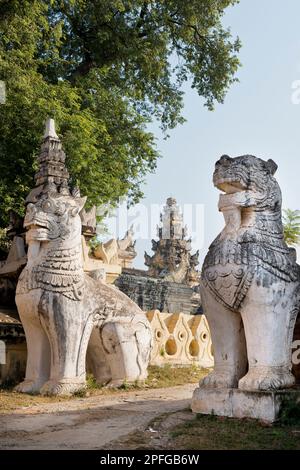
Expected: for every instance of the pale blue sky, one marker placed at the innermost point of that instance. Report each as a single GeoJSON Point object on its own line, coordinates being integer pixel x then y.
{"type": "Point", "coordinates": [258, 117]}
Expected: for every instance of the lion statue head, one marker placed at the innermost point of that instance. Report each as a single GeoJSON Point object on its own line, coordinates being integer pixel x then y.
{"type": "Point", "coordinates": [53, 216]}
{"type": "Point", "coordinates": [249, 174]}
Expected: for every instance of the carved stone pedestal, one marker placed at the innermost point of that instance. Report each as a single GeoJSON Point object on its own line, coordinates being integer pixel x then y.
{"type": "Point", "coordinates": [235, 403]}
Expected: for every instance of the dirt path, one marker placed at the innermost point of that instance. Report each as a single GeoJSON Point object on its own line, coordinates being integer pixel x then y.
{"type": "Point", "coordinates": [108, 422]}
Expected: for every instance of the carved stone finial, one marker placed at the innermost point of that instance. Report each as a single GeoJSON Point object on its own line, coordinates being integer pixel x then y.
{"type": "Point", "coordinates": [52, 159]}
{"type": "Point", "coordinates": [50, 129]}
{"type": "Point", "coordinates": [52, 174]}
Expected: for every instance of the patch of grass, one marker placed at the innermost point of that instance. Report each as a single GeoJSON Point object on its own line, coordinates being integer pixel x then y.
{"type": "Point", "coordinates": [82, 393]}
{"type": "Point", "coordinates": [159, 377]}
{"type": "Point", "coordinates": [175, 433]}
{"type": "Point", "coordinates": [169, 376]}
{"type": "Point", "coordinates": [290, 412]}
{"type": "Point", "coordinates": [10, 400]}
{"type": "Point", "coordinates": [91, 383]}
{"type": "Point", "coordinates": [220, 433]}
{"type": "Point", "coordinates": [127, 386]}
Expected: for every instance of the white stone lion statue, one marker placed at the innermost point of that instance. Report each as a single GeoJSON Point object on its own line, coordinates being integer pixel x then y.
{"type": "Point", "coordinates": [63, 310]}
{"type": "Point", "coordinates": [250, 281]}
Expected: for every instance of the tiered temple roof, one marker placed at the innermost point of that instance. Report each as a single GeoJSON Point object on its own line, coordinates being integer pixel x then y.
{"type": "Point", "coordinates": [172, 259]}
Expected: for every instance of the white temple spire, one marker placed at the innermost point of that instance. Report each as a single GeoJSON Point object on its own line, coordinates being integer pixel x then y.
{"type": "Point", "coordinates": [50, 129]}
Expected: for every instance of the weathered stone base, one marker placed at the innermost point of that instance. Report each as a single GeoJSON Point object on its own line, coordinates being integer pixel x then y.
{"type": "Point", "coordinates": [235, 403]}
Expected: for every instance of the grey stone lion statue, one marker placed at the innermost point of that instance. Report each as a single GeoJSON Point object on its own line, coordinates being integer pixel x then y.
{"type": "Point", "coordinates": [250, 281]}
{"type": "Point", "coordinates": [63, 310]}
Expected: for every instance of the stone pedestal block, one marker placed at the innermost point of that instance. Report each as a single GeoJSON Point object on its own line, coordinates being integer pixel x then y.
{"type": "Point", "coordinates": [235, 403]}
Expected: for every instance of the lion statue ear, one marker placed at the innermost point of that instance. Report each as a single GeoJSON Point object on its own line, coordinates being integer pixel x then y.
{"type": "Point", "coordinates": [81, 202]}
{"type": "Point", "coordinates": [271, 166]}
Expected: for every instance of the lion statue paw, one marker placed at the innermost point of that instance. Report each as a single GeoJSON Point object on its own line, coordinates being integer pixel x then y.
{"type": "Point", "coordinates": [268, 379]}
{"type": "Point", "coordinates": [28, 386]}
{"type": "Point", "coordinates": [53, 387]}
{"type": "Point", "coordinates": [219, 379]}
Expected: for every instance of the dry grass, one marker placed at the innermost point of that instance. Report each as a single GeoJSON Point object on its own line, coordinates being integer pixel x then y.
{"type": "Point", "coordinates": [159, 377]}
{"type": "Point", "coordinates": [169, 376]}
{"type": "Point", "coordinates": [10, 400]}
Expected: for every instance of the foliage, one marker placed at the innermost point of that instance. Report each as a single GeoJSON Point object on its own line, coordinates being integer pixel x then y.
{"type": "Point", "coordinates": [4, 244]}
{"type": "Point", "coordinates": [93, 243]}
{"type": "Point", "coordinates": [291, 226]}
{"type": "Point", "coordinates": [103, 69]}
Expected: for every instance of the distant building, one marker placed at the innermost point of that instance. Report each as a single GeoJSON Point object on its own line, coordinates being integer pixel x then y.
{"type": "Point", "coordinates": [171, 282]}
{"type": "Point", "coordinates": [172, 259]}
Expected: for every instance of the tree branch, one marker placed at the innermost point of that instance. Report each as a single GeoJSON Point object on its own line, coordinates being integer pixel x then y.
{"type": "Point", "coordinates": [197, 34]}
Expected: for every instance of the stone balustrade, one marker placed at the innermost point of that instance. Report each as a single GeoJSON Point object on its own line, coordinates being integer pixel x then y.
{"type": "Point", "coordinates": [180, 339]}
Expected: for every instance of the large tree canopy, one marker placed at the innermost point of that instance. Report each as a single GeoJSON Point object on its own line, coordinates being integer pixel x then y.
{"type": "Point", "coordinates": [103, 69]}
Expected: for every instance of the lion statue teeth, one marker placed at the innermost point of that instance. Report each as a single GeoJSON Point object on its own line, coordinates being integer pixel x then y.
{"type": "Point", "coordinates": [250, 285]}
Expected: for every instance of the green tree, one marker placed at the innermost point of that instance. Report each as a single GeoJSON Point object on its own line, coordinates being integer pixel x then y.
{"type": "Point", "coordinates": [291, 227]}
{"type": "Point", "coordinates": [104, 69]}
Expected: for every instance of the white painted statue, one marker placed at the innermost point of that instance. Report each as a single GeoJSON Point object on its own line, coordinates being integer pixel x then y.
{"type": "Point", "coordinates": [250, 281]}
{"type": "Point", "coordinates": [63, 310]}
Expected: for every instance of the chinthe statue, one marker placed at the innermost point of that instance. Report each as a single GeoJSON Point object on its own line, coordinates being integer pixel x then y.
{"type": "Point", "coordinates": [250, 281]}
{"type": "Point", "coordinates": [63, 310]}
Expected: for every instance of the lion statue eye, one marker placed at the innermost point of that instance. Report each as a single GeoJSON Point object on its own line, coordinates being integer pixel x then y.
{"type": "Point", "coordinates": [47, 206]}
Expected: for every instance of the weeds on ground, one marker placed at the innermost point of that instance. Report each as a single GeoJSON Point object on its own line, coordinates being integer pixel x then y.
{"type": "Point", "coordinates": [158, 377]}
